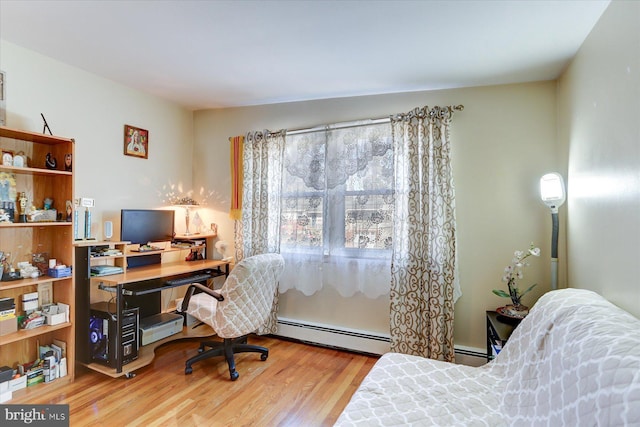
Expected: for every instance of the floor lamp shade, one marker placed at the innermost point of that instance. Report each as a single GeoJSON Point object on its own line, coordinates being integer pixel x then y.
{"type": "Point", "coordinates": [553, 194]}
{"type": "Point", "coordinates": [552, 190]}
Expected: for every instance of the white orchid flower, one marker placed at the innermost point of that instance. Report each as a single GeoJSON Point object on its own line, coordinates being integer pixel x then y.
{"type": "Point", "coordinates": [516, 271]}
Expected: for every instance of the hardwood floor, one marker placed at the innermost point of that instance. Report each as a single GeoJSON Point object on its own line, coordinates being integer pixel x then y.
{"type": "Point", "coordinates": [298, 385]}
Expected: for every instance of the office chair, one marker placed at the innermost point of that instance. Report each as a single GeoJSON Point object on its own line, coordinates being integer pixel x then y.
{"type": "Point", "coordinates": [239, 308]}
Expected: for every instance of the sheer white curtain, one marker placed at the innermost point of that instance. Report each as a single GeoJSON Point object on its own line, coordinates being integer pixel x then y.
{"type": "Point", "coordinates": [337, 209]}
{"type": "Point", "coordinates": [424, 283]}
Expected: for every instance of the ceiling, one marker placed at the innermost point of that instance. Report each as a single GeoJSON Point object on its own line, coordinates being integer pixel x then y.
{"type": "Point", "coordinates": [214, 54]}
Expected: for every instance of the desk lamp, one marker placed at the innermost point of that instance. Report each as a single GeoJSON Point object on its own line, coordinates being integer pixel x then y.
{"type": "Point", "coordinates": [187, 203]}
{"type": "Point", "coordinates": [553, 195]}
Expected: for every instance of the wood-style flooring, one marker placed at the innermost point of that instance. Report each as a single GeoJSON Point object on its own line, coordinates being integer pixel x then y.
{"type": "Point", "coordinates": [298, 385]}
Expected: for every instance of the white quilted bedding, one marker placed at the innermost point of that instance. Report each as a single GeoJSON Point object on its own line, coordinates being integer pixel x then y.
{"type": "Point", "coordinates": [574, 361]}
{"type": "Point", "coordinates": [412, 390]}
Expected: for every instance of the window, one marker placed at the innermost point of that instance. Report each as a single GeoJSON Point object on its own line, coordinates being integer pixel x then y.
{"type": "Point", "coordinates": [337, 203]}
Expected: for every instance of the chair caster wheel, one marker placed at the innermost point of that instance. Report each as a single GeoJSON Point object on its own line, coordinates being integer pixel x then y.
{"type": "Point", "coordinates": [234, 375]}
{"type": "Point", "coordinates": [263, 357]}
{"type": "Point", "coordinates": [188, 370]}
{"type": "Point", "coordinates": [129, 375]}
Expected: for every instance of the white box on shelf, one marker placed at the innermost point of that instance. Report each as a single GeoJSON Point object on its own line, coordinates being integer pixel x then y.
{"type": "Point", "coordinates": [30, 301]}
{"type": "Point", "coordinates": [8, 325]}
{"type": "Point", "coordinates": [18, 383]}
{"type": "Point", "coordinates": [57, 313]}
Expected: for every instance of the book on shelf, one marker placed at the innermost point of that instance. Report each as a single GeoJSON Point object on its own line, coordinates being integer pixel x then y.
{"type": "Point", "coordinates": [62, 345]}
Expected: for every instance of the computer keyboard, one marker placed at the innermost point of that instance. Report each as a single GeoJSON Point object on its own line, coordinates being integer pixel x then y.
{"type": "Point", "coordinates": [189, 279]}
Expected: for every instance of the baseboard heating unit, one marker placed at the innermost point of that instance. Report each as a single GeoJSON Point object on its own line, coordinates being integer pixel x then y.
{"type": "Point", "coordinates": [159, 326]}
{"type": "Point", "coordinates": [332, 336]}
{"type": "Point", "coordinates": [358, 340]}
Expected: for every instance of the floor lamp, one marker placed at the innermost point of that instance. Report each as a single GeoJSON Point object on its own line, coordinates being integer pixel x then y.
{"type": "Point", "coordinates": [553, 195]}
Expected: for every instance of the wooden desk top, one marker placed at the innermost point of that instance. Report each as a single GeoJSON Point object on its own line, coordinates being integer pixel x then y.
{"type": "Point", "coordinates": [158, 271]}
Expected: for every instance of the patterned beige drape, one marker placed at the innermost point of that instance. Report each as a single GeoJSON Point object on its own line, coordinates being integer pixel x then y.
{"type": "Point", "coordinates": [258, 230]}
{"type": "Point", "coordinates": [424, 271]}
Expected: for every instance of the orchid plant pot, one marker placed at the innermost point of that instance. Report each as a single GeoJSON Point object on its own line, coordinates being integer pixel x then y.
{"type": "Point", "coordinates": [516, 310]}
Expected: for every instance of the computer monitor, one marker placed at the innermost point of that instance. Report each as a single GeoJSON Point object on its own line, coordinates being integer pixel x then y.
{"type": "Point", "coordinates": [142, 226]}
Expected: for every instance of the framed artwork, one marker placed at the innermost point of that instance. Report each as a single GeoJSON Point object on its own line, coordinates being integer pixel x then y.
{"type": "Point", "coordinates": [136, 142]}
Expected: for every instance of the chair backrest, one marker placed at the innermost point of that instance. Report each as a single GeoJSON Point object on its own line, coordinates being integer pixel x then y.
{"type": "Point", "coordinates": [249, 293]}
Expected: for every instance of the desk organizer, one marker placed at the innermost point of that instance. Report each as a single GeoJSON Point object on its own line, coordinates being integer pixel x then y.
{"type": "Point", "coordinates": [56, 314]}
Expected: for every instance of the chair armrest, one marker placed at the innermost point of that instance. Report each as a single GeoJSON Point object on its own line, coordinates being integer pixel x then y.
{"type": "Point", "coordinates": [191, 290]}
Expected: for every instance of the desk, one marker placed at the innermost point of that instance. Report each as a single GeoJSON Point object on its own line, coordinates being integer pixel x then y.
{"type": "Point", "coordinates": [126, 283]}
{"type": "Point", "coordinates": [161, 271]}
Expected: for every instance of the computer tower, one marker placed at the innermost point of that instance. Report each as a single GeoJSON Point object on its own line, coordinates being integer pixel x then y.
{"type": "Point", "coordinates": [102, 334]}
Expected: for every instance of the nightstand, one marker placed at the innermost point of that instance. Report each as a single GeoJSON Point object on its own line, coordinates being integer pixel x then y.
{"type": "Point", "coordinates": [498, 332]}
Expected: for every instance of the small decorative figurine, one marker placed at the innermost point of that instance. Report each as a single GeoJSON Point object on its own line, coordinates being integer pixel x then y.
{"type": "Point", "coordinates": [69, 207]}
{"type": "Point", "coordinates": [23, 207]}
{"type": "Point", "coordinates": [67, 162]}
{"type": "Point", "coordinates": [51, 162]}
{"type": "Point", "coordinates": [20, 160]}
{"type": "Point", "coordinates": [4, 212]}
{"type": "Point", "coordinates": [7, 158]}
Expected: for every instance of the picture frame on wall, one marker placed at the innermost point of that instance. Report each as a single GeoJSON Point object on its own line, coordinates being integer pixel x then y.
{"type": "Point", "coordinates": [136, 142]}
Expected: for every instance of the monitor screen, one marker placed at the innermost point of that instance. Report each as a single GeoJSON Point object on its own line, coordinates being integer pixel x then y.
{"type": "Point", "coordinates": [142, 226]}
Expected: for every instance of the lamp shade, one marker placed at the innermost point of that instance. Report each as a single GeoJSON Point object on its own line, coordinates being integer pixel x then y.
{"type": "Point", "coordinates": [184, 201]}
{"type": "Point", "coordinates": [187, 203]}
{"type": "Point", "coordinates": [552, 190]}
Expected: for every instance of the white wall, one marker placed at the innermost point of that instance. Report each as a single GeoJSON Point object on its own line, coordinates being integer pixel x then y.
{"type": "Point", "coordinates": [93, 111]}
{"type": "Point", "coordinates": [599, 112]}
{"type": "Point", "coordinates": [503, 141]}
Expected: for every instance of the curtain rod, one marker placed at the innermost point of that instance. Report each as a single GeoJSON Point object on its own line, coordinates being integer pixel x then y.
{"type": "Point", "coordinates": [346, 125]}
{"type": "Point", "coordinates": [355, 123]}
